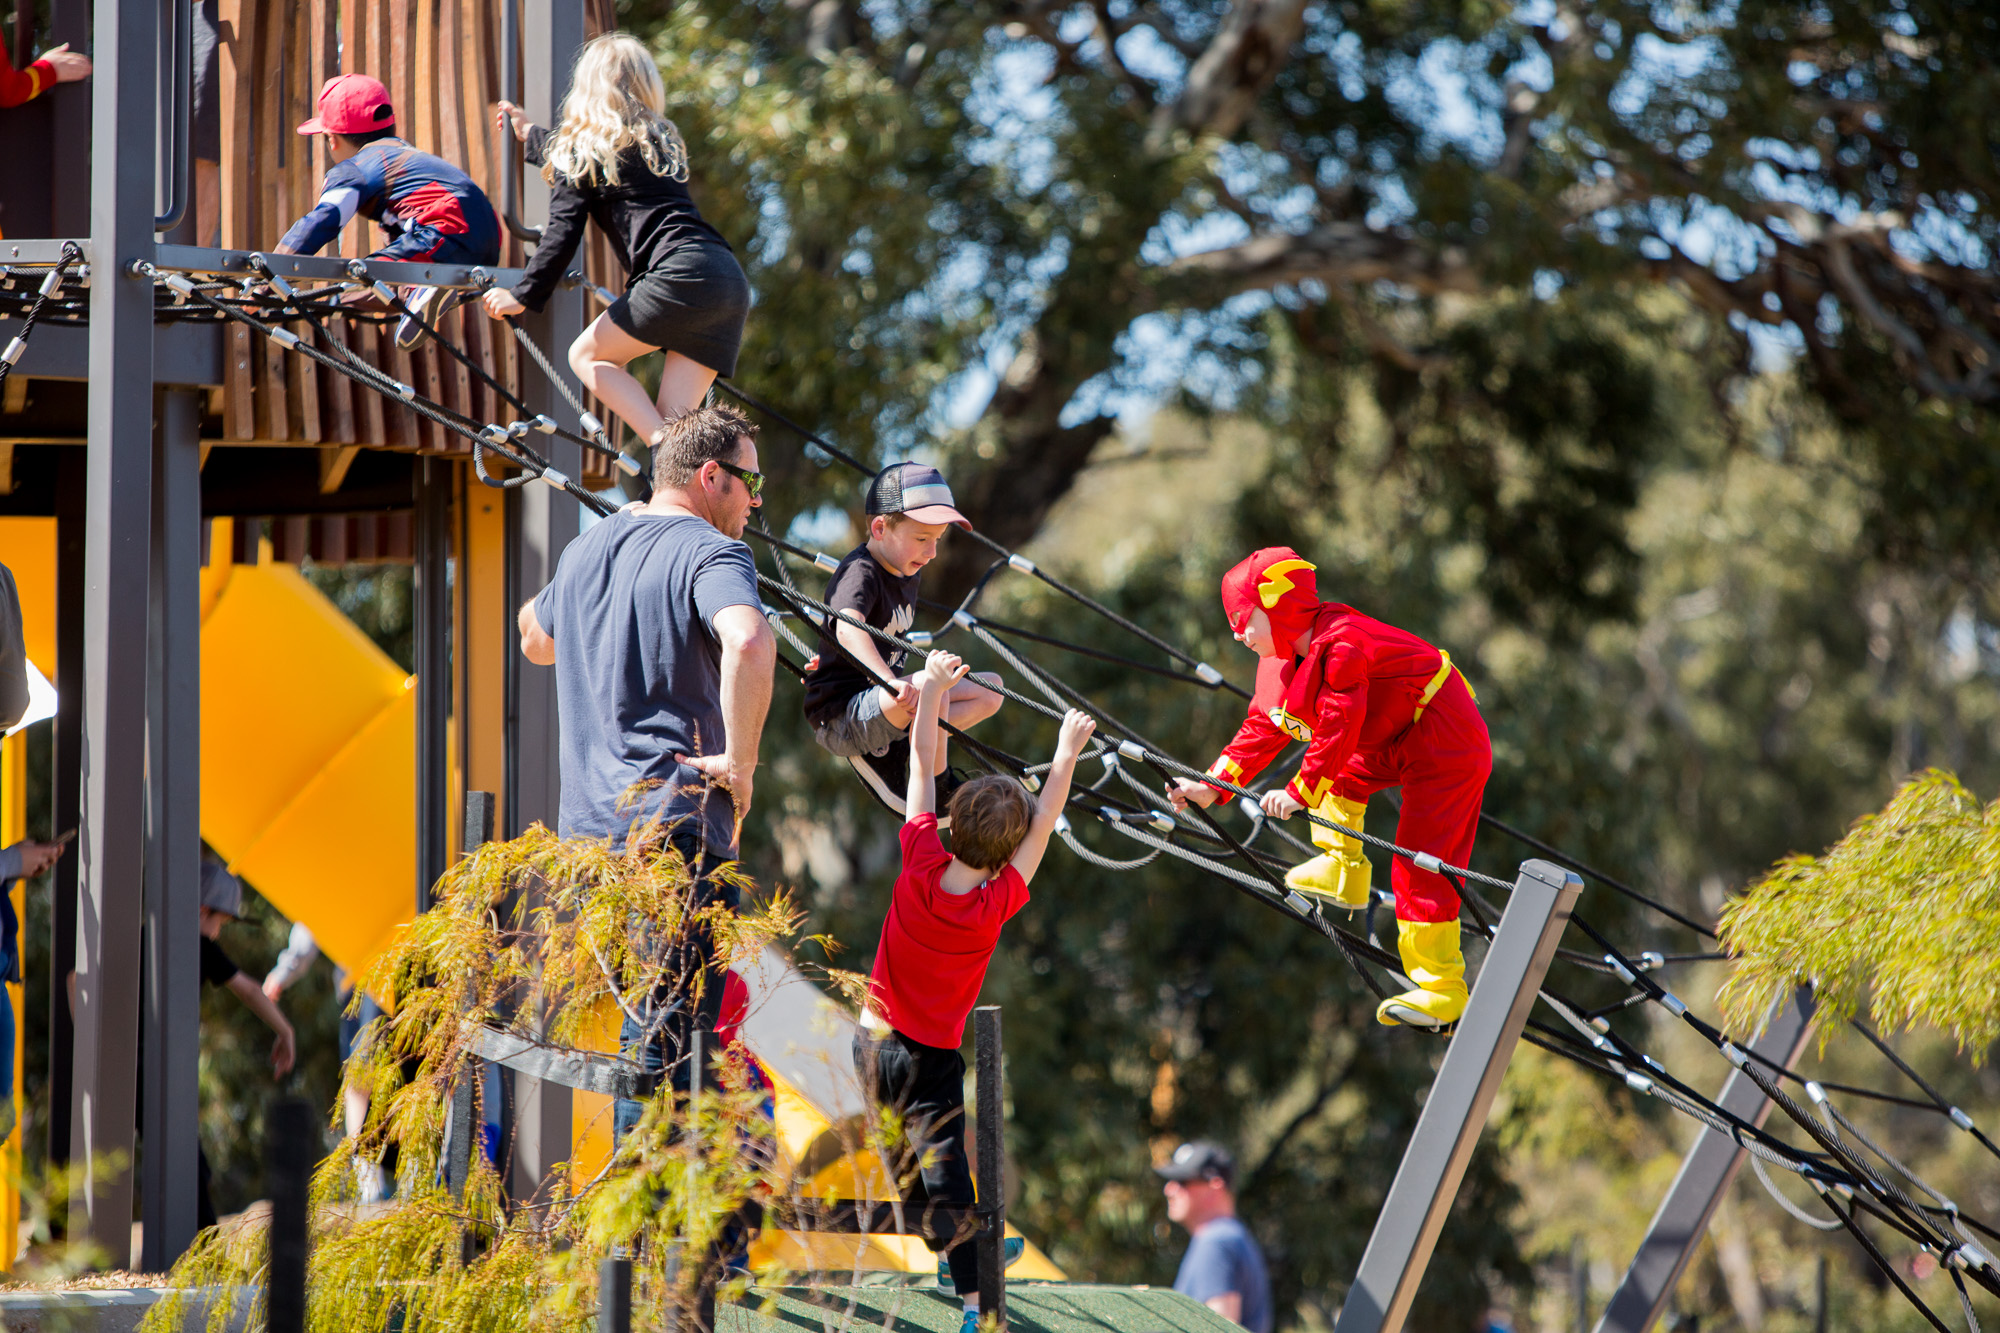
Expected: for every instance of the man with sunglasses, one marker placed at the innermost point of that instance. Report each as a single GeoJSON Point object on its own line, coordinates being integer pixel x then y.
{"type": "Point", "coordinates": [663, 676]}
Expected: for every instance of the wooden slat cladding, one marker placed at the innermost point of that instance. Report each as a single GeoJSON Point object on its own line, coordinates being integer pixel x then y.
{"type": "Point", "coordinates": [440, 60]}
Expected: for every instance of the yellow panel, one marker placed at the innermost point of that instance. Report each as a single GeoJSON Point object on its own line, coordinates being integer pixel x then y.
{"type": "Point", "coordinates": [590, 1112]}
{"type": "Point", "coordinates": [13, 828]}
{"type": "Point", "coordinates": [28, 549]}
{"type": "Point", "coordinates": [287, 682]}
{"type": "Point", "coordinates": [341, 855]}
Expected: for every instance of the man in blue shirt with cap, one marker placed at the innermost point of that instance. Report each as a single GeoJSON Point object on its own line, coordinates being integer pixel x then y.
{"type": "Point", "coordinates": [1223, 1268]}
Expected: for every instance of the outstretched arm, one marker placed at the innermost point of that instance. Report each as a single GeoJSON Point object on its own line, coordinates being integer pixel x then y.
{"type": "Point", "coordinates": [1076, 731]}
{"type": "Point", "coordinates": [282, 1050]}
{"type": "Point", "coordinates": [941, 671]}
{"type": "Point", "coordinates": [536, 644]}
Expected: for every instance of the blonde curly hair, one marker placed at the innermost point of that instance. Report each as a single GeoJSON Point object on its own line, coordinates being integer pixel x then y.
{"type": "Point", "coordinates": [616, 100]}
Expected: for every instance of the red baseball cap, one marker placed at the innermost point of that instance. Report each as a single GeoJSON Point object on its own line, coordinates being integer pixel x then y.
{"type": "Point", "coordinates": [351, 104]}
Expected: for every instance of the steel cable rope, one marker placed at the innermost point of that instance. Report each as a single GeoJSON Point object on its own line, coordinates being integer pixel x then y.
{"type": "Point", "coordinates": [1162, 763]}
{"type": "Point", "coordinates": [1778, 1197]}
{"type": "Point", "coordinates": [71, 252]}
{"type": "Point", "coordinates": [1882, 1263]}
{"type": "Point", "coordinates": [388, 388]}
{"type": "Point", "coordinates": [358, 269]}
{"type": "Point", "coordinates": [1131, 663]}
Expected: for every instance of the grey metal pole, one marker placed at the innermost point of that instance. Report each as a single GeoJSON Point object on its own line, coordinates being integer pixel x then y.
{"type": "Point", "coordinates": [118, 524]}
{"type": "Point", "coordinates": [992, 1138]}
{"type": "Point", "coordinates": [1705, 1174]}
{"type": "Point", "coordinates": [288, 1163]}
{"type": "Point", "coordinates": [433, 662]}
{"type": "Point", "coordinates": [1455, 1112]}
{"type": "Point", "coordinates": [552, 31]}
{"type": "Point", "coordinates": [72, 466]}
{"type": "Point", "coordinates": [172, 1016]}
{"type": "Point", "coordinates": [614, 1296]}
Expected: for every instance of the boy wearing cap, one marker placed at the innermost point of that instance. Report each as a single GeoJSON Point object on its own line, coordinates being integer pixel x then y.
{"type": "Point", "coordinates": [859, 705]}
{"type": "Point", "coordinates": [431, 210]}
{"type": "Point", "coordinates": [1223, 1267]}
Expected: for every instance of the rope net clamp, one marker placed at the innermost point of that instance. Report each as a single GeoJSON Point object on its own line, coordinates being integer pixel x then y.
{"type": "Point", "coordinates": [591, 425]}
{"type": "Point", "coordinates": [1816, 1092]}
{"type": "Point", "coordinates": [285, 338]}
{"type": "Point", "coordinates": [1639, 1083]}
{"type": "Point", "coordinates": [1209, 675]}
{"type": "Point", "coordinates": [922, 638]}
{"type": "Point", "coordinates": [1062, 823]}
{"type": "Point", "coordinates": [1031, 782]}
{"type": "Point", "coordinates": [403, 391]}
{"type": "Point", "coordinates": [176, 281]}
{"type": "Point", "coordinates": [1961, 1119]}
{"type": "Point", "coordinates": [1162, 821]}
{"type": "Point", "coordinates": [964, 619]}
{"type": "Point", "coordinates": [1251, 810]}
{"type": "Point", "coordinates": [1021, 562]}
{"type": "Point", "coordinates": [1678, 1009]}
{"type": "Point", "coordinates": [1132, 750]}
{"type": "Point", "coordinates": [626, 463]}
{"type": "Point", "coordinates": [1297, 902]}
{"type": "Point", "coordinates": [554, 478]}
{"type": "Point", "coordinates": [546, 424]}
{"type": "Point", "coordinates": [1425, 861]}
{"type": "Point", "coordinates": [1730, 1050]}
{"type": "Point", "coordinates": [14, 351]}
{"type": "Point", "coordinates": [1652, 960]}
{"type": "Point", "coordinates": [1109, 758]}
{"type": "Point", "coordinates": [1617, 964]}
{"type": "Point", "coordinates": [821, 560]}
{"type": "Point", "coordinates": [51, 284]}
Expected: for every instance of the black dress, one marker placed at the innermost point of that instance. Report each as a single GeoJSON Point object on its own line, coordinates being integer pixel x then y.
{"type": "Point", "coordinates": [686, 292]}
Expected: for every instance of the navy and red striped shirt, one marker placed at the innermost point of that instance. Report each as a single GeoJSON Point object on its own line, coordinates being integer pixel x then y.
{"type": "Point", "coordinates": [393, 184]}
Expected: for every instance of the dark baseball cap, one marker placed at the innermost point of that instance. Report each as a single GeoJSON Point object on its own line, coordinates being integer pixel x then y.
{"type": "Point", "coordinates": [1199, 1160]}
{"type": "Point", "coordinates": [220, 889]}
{"type": "Point", "coordinates": [916, 489]}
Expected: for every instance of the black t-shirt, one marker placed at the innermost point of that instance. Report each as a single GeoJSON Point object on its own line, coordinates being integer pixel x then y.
{"type": "Point", "coordinates": [217, 967]}
{"type": "Point", "coordinates": [887, 601]}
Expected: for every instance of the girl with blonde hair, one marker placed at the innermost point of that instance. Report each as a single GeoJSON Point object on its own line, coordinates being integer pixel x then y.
{"type": "Point", "coordinates": [616, 159]}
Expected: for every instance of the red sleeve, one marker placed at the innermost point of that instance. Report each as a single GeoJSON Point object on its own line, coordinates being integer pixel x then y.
{"type": "Point", "coordinates": [24, 85]}
{"type": "Point", "coordinates": [1342, 704]}
{"type": "Point", "coordinates": [924, 855]}
{"type": "Point", "coordinates": [1258, 740]}
{"type": "Point", "coordinates": [1010, 893]}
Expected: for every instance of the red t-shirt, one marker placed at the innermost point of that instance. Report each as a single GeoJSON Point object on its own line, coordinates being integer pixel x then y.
{"type": "Point", "coordinates": [935, 945]}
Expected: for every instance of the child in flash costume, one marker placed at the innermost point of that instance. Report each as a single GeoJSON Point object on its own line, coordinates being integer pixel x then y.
{"type": "Point", "coordinates": [1378, 707]}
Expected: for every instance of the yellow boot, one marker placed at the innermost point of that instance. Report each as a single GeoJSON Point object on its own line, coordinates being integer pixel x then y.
{"type": "Point", "coordinates": [1340, 875]}
{"type": "Point", "coordinates": [1431, 958]}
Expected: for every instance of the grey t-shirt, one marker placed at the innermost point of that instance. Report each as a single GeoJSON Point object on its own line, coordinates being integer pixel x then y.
{"type": "Point", "coordinates": [639, 669]}
{"type": "Point", "coordinates": [1223, 1257]}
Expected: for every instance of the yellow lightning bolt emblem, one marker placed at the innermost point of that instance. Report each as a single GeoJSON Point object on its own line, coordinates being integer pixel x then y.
{"type": "Point", "coordinates": [1277, 583]}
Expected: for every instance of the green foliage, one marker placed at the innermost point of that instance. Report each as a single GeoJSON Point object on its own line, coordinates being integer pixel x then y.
{"type": "Point", "coordinates": [1904, 909]}
{"type": "Point", "coordinates": [531, 935]}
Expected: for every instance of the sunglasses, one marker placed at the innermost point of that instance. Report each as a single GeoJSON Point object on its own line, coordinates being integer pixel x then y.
{"type": "Point", "coordinates": [752, 481]}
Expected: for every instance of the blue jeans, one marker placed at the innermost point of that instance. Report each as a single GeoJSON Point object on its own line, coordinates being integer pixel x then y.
{"type": "Point", "coordinates": [668, 1050]}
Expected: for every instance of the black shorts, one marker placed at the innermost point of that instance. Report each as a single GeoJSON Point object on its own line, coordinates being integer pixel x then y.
{"type": "Point", "coordinates": [205, 115]}
{"type": "Point", "coordinates": [693, 302]}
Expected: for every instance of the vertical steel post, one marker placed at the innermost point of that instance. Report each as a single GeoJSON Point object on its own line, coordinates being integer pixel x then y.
{"type": "Point", "coordinates": [71, 482]}
{"type": "Point", "coordinates": [989, 1097]}
{"type": "Point", "coordinates": [433, 662]}
{"type": "Point", "coordinates": [118, 524]}
{"type": "Point", "coordinates": [288, 1163]}
{"type": "Point", "coordinates": [546, 521]}
{"type": "Point", "coordinates": [1705, 1175]}
{"type": "Point", "coordinates": [1455, 1111]}
{"type": "Point", "coordinates": [614, 1296]}
{"type": "Point", "coordinates": [172, 1013]}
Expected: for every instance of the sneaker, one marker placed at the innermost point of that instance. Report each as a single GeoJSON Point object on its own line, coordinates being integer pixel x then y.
{"type": "Point", "coordinates": [969, 1324]}
{"type": "Point", "coordinates": [1011, 1250]}
{"type": "Point", "coordinates": [886, 775]}
{"type": "Point", "coordinates": [427, 304]}
{"type": "Point", "coordinates": [948, 782]}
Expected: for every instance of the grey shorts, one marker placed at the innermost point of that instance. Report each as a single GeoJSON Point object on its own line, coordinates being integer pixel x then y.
{"type": "Point", "coordinates": [860, 728]}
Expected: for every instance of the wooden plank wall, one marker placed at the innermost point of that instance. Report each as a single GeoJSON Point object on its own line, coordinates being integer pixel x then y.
{"type": "Point", "coordinates": [440, 61]}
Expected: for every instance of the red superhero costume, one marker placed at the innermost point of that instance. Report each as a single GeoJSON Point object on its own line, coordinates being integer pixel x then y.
{"type": "Point", "coordinates": [1378, 707]}
{"type": "Point", "coordinates": [24, 85]}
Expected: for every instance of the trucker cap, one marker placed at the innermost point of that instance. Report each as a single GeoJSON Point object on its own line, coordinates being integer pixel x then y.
{"type": "Point", "coordinates": [351, 104]}
{"type": "Point", "coordinates": [916, 489]}
{"type": "Point", "coordinates": [1200, 1160]}
{"type": "Point", "coordinates": [220, 889]}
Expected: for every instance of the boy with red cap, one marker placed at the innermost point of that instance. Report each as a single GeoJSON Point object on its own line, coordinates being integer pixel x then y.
{"type": "Point", "coordinates": [431, 210]}
{"type": "Point", "coordinates": [1377, 707]}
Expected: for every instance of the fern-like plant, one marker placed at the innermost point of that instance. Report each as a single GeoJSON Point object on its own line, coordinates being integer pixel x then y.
{"type": "Point", "coordinates": [1901, 916]}
{"type": "Point", "coordinates": [531, 936]}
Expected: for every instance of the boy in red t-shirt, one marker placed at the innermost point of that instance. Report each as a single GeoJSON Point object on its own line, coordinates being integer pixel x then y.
{"type": "Point", "coordinates": [944, 920]}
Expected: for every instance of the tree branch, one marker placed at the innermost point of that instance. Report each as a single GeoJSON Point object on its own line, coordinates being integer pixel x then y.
{"type": "Point", "coordinates": [1334, 252]}
{"type": "Point", "coordinates": [1252, 44]}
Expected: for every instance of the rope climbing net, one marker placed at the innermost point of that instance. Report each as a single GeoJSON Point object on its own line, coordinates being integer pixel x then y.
{"type": "Point", "coordinates": [1854, 1177]}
